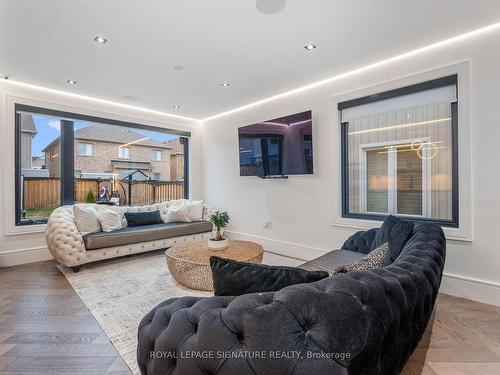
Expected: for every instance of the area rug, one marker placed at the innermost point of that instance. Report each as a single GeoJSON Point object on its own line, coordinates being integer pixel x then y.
{"type": "Point", "coordinates": [120, 292]}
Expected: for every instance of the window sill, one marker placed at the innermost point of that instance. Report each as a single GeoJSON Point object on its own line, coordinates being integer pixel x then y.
{"type": "Point", "coordinates": [454, 234]}
{"type": "Point", "coordinates": [25, 229]}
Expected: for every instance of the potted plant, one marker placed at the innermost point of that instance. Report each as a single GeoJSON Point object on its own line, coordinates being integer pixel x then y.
{"type": "Point", "coordinates": [219, 219]}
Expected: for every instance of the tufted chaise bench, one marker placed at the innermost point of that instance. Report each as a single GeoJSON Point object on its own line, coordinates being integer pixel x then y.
{"type": "Point", "coordinates": [365, 322]}
{"type": "Point", "coordinates": [71, 249]}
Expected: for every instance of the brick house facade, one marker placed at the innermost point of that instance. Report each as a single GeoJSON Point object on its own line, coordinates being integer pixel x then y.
{"type": "Point", "coordinates": [105, 150]}
{"type": "Point", "coordinates": [176, 160]}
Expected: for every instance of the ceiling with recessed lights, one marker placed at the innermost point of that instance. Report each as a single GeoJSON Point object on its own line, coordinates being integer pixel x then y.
{"type": "Point", "coordinates": [198, 58]}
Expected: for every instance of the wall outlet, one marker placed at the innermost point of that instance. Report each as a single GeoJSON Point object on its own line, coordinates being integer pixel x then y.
{"type": "Point", "coordinates": [267, 224]}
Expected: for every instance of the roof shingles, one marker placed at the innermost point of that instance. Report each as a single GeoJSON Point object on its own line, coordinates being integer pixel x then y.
{"type": "Point", "coordinates": [117, 134]}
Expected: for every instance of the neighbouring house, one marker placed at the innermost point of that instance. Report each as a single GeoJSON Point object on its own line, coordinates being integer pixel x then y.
{"type": "Point", "coordinates": [31, 166]}
{"type": "Point", "coordinates": [28, 132]}
{"type": "Point", "coordinates": [38, 162]}
{"type": "Point", "coordinates": [176, 159]}
{"type": "Point", "coordinates": [103, 151]}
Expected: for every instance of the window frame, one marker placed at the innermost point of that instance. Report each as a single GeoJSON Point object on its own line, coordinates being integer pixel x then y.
{"type": "Point", "coordinates": [67, 151]}
{"type": "Point", "coordinates": [344, 156]}
{"type": "Point", "coordinates": [156, 152]}
{"type": "Point", "coordinates": [392, 189]}
{"type": "Point", "coordinates": [86, 144]}
{"type": "Point", "coordinates": [120, 151]}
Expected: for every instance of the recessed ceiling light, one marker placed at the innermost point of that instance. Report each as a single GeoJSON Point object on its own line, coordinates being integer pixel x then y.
{"type": "Point", "coordinates": [71, 82]}
{"type": "Point", "coordinates": [225, 84]}
{"type": "Point", "coordinates": [4, 76]}
{"type": "Point", "coordinates": [176, 106]}
{"type": "Point", "coordinates": [130, 97]}
{"type": "Point", "coordinates": [100, 39]}
{"type": "Point", "coordinates": [270, 6]}
{"type": "Point", "coordinates": [310, 47]}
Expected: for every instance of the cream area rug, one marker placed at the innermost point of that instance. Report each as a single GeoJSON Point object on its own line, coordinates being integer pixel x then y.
{"type": "Point", "coordinates": [120, 292]}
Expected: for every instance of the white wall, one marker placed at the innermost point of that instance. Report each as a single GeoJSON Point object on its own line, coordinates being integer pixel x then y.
{"type": "Point", "coordinates": [302, 208]}
{"type": "Point", "coordinates": [16, 245]}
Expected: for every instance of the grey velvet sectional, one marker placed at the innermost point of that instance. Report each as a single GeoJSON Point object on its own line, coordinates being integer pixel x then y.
{"type": "Point", "coordinates": [365, 322]}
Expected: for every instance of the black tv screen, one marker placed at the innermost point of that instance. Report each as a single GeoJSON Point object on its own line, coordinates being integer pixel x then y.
{"type": "Point", "coordinates": [281, 146]}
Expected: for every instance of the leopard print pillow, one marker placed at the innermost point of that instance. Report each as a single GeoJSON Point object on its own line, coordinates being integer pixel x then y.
{"type": "Point", "coordinates": [379, 257]}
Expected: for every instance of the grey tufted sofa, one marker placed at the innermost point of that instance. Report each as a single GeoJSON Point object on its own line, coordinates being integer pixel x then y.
{"type": "Point", "coordinates": [67, 245]}
{"type": "Point", "coordinates": [377, 317]}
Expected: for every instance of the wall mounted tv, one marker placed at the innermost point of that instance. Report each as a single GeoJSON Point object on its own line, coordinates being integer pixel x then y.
{"type": "Point", "coordinates": [278, 147]}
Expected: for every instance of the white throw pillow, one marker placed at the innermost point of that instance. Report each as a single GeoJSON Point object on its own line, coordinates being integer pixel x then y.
{"type": "Point", "coordinates": [120, 210]}
{"type": "Point", "coordinates": [110, 220]}
{"type": "Point", "coordinates": [178, 214]}
{"type": "Point", "coordinates": [176, 202]}
{"type": "Point", "coordinates": [195, 210]}
{"type": "Point", "coordinates": [163, 208]}
{"type": "Point", "coordinates": [85, 217]}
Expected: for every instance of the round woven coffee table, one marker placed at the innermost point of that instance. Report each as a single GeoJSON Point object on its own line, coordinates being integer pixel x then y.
{"type": "Point", "coordinates": [189, 263]}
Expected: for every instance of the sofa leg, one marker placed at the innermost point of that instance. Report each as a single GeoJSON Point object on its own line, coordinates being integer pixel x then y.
{"type": "Point", "coordinates": [76, 268]}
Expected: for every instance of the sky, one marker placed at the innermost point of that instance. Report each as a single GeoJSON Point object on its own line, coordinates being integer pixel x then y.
{"type": "Point", "coordinates": [48, 130]}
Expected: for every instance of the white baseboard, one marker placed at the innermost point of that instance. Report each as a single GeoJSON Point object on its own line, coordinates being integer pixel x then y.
{"type": "Point", "coordinates": [455, 285]}
{"type": "Point", "coordinates": [474, 289]}
{"type": "Point", "coordinates": [289, 249]}
{"type": "Point", "coordinates": [23, 256]}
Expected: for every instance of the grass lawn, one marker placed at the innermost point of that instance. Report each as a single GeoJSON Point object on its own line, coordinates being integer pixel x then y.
{"type": "Point", "coordinates": [39, 212]}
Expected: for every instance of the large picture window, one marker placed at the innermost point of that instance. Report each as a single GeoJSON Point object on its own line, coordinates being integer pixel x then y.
{"type": "Point", "coordinates": [65, 158]}
{"type": "Point", "coordinates": [399, 153]}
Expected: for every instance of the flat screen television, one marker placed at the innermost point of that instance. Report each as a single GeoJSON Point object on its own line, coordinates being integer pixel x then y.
{"type": "Point", "coordinates": [278, 147]}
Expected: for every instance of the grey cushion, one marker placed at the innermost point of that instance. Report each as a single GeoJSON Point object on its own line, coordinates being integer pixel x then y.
{"type": "Point", "coordinates": [333, 260]}
{"type": "Point", "coordinates": [131, 235]}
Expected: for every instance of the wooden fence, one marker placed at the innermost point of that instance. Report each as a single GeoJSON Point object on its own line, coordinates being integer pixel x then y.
{"type": "Point", "coordinates": [46, 192]}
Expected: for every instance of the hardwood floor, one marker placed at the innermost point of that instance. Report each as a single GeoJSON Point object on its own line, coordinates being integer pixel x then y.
{"type": "Point", "coordinates": [463, 338]}
{"type": "Point", "coordinates": [46, 329]}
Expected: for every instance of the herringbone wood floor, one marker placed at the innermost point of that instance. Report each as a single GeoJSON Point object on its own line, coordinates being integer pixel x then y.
{"type": "Point", "coordinates": [46, 329]}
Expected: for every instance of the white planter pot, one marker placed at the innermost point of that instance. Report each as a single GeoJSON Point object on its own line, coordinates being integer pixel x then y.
{"type": "Point", "coordinates": [218, 245]}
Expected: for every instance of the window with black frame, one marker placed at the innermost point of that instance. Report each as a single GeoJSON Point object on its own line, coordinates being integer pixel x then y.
{"type": "Point", "coordinates": [65, 158]}
{"type": "Point", "coordinates": [400, 153]}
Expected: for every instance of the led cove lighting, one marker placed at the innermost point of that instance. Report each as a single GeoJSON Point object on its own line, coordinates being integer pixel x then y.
{"type": "Point", "coordinates": [401, 126]}
{"type": "Point", "coordinates": [71, 82]}
{"type": "Point", "coordinates": [310, 47]}
{"type": "Point", "coordinates": [97, 100]}
{"type": "Point", "coordinates": [430, 47]}
{"type": "Point", "coordinates": [100, 40]}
